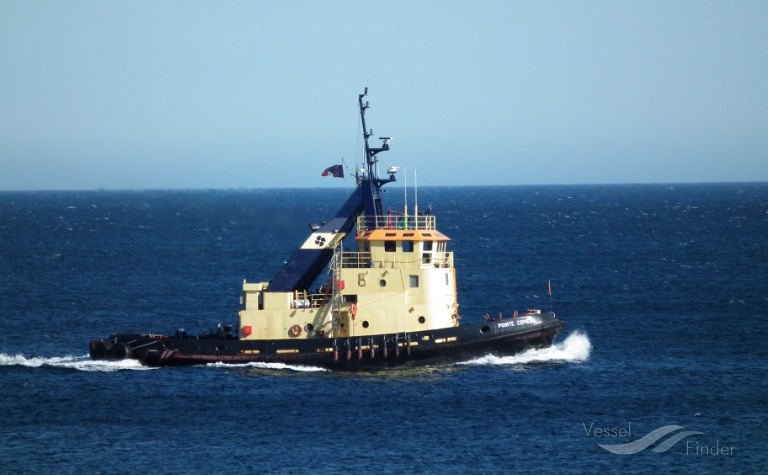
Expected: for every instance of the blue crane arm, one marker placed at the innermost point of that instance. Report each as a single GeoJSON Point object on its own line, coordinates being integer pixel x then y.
{"type": "Point", "coordinates": [309, 260]}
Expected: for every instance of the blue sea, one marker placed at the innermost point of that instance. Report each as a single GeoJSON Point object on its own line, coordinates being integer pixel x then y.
{"type": "Point", "coordinates": [664, 359]}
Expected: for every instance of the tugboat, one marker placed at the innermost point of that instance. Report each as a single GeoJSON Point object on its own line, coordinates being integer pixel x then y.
{"type": "Point", "coordinates": [392, 302]}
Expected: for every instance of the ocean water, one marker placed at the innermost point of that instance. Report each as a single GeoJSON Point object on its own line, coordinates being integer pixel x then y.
{"type": "Point", "coordinates": [664, 289]}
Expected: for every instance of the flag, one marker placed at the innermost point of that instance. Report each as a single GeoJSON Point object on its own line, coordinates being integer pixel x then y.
{"type": "Point", "coordinates": [336, 171]}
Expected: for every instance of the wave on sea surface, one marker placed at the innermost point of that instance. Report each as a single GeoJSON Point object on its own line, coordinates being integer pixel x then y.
{"type": "Point", "coordinates": [82, 363]}
{"type": "Point", "coordinates": [272, 366]}
{"type": "Point", "coordinates": [576, 348]}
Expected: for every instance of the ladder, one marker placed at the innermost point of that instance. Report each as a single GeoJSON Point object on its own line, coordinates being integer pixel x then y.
{"type": "Point", "coordinates": [336, 297]}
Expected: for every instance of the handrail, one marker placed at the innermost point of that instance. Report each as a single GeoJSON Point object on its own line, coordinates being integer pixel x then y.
{"type": "Point", "coordinates": [363, 260]}
{"type": "Point", "coordinates": [420, 222]}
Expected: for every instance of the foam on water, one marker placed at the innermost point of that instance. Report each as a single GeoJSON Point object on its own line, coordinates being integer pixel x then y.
{"type": "Point", "coordinates": [81, 363]}
{"type": "Point", "coordinates": [276, 366]}
{"type": "Point", "coordinates": [576, 348]}
{"type": "Point", "coordinates": [84, 363]}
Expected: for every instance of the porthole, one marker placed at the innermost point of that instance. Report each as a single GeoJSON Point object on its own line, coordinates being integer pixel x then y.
{"type": "Point", "coordinates": [485, 329]}
{"type": "Point", "coordinates": [309, 327]}
{"type": "Point", "coordinates": [383, 283]}
{"type": "Point", "coordinates": [366, 324]}
{"type": "Point", "coordinates": [422, 319]}
{"type": "Point", "coordinates": [221, 348]}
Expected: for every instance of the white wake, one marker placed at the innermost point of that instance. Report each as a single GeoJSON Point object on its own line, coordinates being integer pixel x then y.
{"type": "Point", "coordinates": [82, 363]}
{"type": "Point", "coordinates": [576, 348]}
{"type": "Point", "coordinates": [275, 366]}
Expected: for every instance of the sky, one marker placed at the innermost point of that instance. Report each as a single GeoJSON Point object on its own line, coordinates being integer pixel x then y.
{"type": "Point", "coordinates": [263, 94]}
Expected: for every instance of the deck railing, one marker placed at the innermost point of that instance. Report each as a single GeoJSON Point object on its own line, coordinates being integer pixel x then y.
{"type": "Point", "coordinates": [391, 221]}
{"type": "Point", "coordinates": [362, 260]}
{"type": "Point", "coordinates": [308, 300]}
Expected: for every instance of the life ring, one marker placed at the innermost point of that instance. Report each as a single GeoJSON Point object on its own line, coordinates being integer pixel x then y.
{"type": "Point", "coordinates": [353, 310]}
{"type": "Point", "coordinates": [295, 331]}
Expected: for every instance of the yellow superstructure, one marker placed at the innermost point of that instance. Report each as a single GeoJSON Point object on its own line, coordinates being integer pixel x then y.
{"type": "Point", "coordinates": [400, 279]}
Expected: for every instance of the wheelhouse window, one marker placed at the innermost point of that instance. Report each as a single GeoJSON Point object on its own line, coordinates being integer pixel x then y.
{"type": "Point", "coordinates": [390, 246]}
{"type": "Point", "coordinates": [413, 280]}
{"type": "Point", "coordinates": [426, 255]}
{"type": "Point", "coordinates": [407, 246]}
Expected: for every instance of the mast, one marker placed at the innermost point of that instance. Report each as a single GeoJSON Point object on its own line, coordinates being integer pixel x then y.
{"type": "Point", "coordinates": [372, 195]}
{"type": "Point", "coordinates": [309, 261]}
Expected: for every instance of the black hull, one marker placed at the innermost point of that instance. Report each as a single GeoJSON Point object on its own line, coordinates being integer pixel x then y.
{"type": "Point", "coordinates": [448, 345]}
